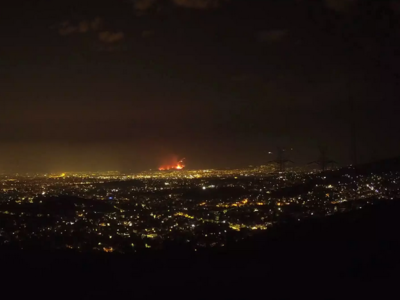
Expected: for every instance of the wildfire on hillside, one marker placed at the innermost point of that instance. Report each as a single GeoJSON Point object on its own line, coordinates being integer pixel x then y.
{"type": "Point", "coordinates": [173, 164]}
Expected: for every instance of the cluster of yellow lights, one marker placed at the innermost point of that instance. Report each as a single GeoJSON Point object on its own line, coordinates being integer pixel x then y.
{"type": "Point", "coordinates": [184, 215]}
{"type": "Point", "coordinates": [152, 235]}
{"type": "Point", "coordinates": [121, 210]}
{"type": "Point", "coordinates": [237, 204]}
{"type": "Point", "coordinates": [236, 227]}
{"type": "Point", "coordinates": [339, 201]}
{"type": "Point", "coordinates": [259, 227]}
{"type": "Point", "coordinates": [62, 175]}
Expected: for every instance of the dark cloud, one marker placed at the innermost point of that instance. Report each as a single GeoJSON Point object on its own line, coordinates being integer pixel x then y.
{"type": "Point", "coordinates": [143, 5]}
{"type": "Point", "coordinates": [112, 48]}
{"type": "Point", "coordinates": [147, 33]}
{"type": "Point", "coordinates": [66, 28]}
{"type": "Point", "coordinates": [340, 5]}
{"type": "Point", "coordinates": [240, 78]}
{"type": "Point", "coordinates": [111, 37]}
{"type": "Point", "coordinates": [95, 24]}
{"type": "Point", "coordinates": [245, 77]}
{"type": "Point", "coordinates": [199, 4]}
{"type": "Point", "coordinates": [395, 5]}
{"type": "Point", "coordinates": [84, 26]}
{"type": "Point", "coordinates": [271, 35]}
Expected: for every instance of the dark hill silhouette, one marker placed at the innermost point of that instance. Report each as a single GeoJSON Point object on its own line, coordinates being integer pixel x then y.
{"type": "Point", "coordinates": [330, 257]}
{"type": "Point", "coordinates": [380, 166]}
{"type": "Point", "coordinates": [373, 222]}
{"type": "Point", "coordinates": [383, 165]}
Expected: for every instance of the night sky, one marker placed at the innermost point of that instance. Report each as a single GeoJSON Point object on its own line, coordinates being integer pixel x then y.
{"type": "Point", "coordinates": [109, 84]}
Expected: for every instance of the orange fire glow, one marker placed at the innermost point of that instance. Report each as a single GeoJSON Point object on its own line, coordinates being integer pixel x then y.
{"type": "Point", "coordinates": [173, 164]}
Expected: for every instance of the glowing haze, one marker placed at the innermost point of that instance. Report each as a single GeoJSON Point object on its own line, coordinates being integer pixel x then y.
{"type": "Point", "coordinates": [101, 85]}
{"type": "Point", "coordinates": [173, 163]}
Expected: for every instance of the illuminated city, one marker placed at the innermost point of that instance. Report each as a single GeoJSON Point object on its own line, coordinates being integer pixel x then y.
{"type": "Point", "coordinates": [109, 211]}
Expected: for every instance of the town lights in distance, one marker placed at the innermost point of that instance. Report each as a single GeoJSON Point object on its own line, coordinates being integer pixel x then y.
{"type": "Point", "coordinates": [174, 165]}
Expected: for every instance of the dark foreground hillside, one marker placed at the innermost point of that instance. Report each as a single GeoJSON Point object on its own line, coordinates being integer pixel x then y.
{"type": "Point", "coordinates": [343, 256]}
